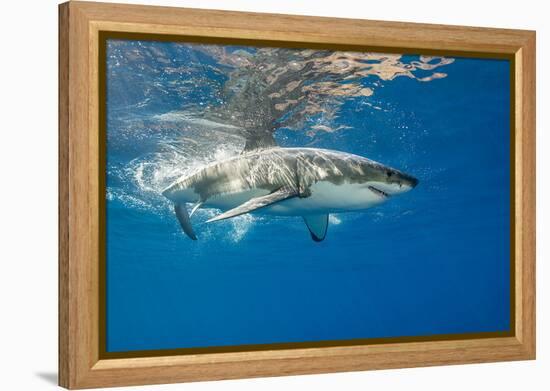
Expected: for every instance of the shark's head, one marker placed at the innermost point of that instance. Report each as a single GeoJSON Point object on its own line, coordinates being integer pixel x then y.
{"type": "Point", "coordinates": [385, 181]}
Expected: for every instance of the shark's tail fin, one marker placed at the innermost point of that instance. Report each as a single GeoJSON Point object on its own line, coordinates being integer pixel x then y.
{"type": "Point", "coordinates": [184, 219]}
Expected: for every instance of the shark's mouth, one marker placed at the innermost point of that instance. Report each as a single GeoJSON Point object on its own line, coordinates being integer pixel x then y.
{"type": "Point", "coordinates": [378, 192]}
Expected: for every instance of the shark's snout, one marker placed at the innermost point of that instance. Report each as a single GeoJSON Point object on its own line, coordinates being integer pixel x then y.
{"type": "Point", "coordinates": [402, 179]}
{"type": "Point", "coordinates": [395, 182]}
{"type": "Point", "coordinates": [412, 182]}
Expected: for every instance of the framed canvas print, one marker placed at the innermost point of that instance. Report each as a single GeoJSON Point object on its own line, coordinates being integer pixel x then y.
{"type": "Point", "coordinates": [248, 195]}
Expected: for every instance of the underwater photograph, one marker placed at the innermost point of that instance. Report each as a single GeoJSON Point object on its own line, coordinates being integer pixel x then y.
{"type": "Point", "coordinates": [260, 195]}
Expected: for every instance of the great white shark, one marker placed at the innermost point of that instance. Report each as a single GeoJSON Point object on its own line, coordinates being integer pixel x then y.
{"type": "Point", "coordinates": [307, 182]}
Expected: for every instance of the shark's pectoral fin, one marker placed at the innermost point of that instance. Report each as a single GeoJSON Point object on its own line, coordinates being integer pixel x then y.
{"type": "Point", "coordinates": [317, 225]}
{"type": "Point", "coordinates": [185, 221]}
{"type": "Point", "coordinates": [257, 203]}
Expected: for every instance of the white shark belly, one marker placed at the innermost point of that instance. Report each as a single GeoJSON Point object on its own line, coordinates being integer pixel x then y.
{"type": "Point", "coordinates": [327, 197]}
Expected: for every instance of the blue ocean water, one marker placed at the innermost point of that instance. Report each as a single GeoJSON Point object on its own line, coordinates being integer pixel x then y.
{"type": "Point", "coordinates": [435, 260]}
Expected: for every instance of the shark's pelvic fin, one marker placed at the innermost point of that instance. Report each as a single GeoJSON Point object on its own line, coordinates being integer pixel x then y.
{"type": "Point", "coordinates": [317, 225]}
{"type": "Point", "coordinates": [185, 221]}
{"type": "Point", "coordinates": [256, 203]}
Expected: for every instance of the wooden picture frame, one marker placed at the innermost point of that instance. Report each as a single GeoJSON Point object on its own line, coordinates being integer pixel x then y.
{"type": "Point", "coordinates": [81, 363]}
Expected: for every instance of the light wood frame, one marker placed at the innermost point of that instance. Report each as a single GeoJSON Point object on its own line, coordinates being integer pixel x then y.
{"type": "Point", "coordinates": [80, 24]}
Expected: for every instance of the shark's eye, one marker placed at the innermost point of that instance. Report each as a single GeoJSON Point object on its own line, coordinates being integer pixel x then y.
{"type": "Point", "coordinates": [389, 174]}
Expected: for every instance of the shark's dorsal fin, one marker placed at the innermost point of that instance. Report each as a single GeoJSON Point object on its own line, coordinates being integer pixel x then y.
{"type": "Point", "coordinates": [257, 203]}
{"type": "Point", "coordinates": [259, 140]}
{"type": "Point", "coordinates": [317, 225]}
{"type": "Point", "coordinates": [185, 221]}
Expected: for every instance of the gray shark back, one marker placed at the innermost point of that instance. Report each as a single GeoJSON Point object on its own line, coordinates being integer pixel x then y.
{"type": "Point", "coordinates": [273, 168]}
